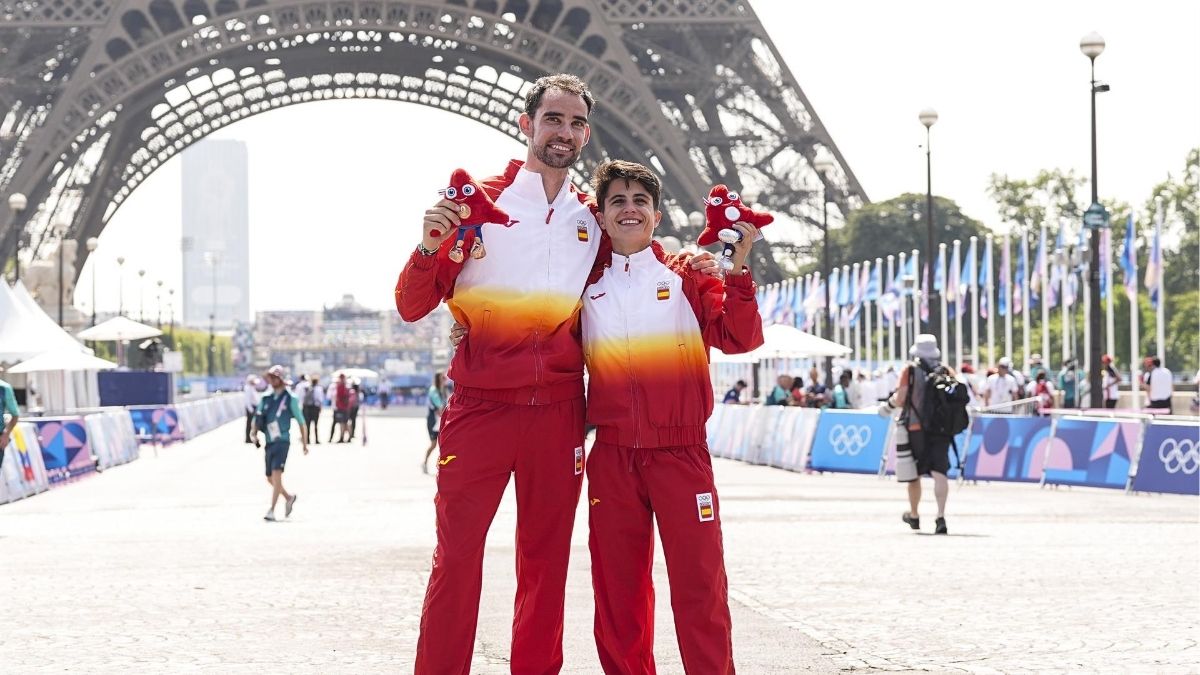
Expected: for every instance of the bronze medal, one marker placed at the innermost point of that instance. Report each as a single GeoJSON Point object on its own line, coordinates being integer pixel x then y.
{"type": "Point", "coordinates": [464, 211]}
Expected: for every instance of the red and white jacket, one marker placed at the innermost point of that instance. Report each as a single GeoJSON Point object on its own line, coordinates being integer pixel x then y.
{"type": "Point", "coordinates": [648, 321]}
{"type": "Point", "coordinates": [520, 304]}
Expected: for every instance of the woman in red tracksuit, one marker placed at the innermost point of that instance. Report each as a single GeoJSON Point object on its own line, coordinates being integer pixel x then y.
{"type": "Point", "coordinates": [647, 326]}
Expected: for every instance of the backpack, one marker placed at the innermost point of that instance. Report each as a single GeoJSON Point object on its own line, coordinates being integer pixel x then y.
{"type": "Point", "coordinates": [310, 396]}
{"type": "Point", "coordinates": [944, 407]}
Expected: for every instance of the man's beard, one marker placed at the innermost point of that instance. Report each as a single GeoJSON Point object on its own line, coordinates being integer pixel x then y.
{"type": "Point", "coordinates": [542, 152]}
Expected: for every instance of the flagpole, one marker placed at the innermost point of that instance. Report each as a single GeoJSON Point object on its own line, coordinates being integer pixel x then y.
{"type": "Point", "coordinates": [1107, 270]}
{"type": "Point", "coordinates": [958, 291]}
{"type": "Point", "coordinates": [901, 347]}
{"type": "Point", "coordinates": [990, 288]}
{"type": "Point", "coordinates": [1160, 331]}
{"type": "Point", "coordinates": [945, 325]}
{"type": "Point", "coordinates": [1134, 309]}
{"type": "Point", "coordinates": [1006, 286]}
{"type": "Point", "coordinates": [1026, 310]}
{"type": "Point", "coordinates": [891, 275]}
{"type": "Point", "coordinates": [1061, 261]}
{"type": "Point", "coordinates": [870, 333]}
{"type": "Point", "coordinates": [973, 282]}
{"type": "Point", "coordinates": [879, 309]}
{"type": "Point", "coordinates": [852, 326]}
{"type": "Point", "coordinates": [1044, 294]}
{"type": "Point", "coordinates": [916, 307]}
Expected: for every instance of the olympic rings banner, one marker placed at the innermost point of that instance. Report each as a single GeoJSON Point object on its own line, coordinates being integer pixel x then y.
{"type": "Point", "coordinates": [1007, 447]}
{"type": "Point", "coordinates": [1088, 451]}
{"type": "Point", "coordinates": [1170, 460]}
{"type": "Point", "coordinates": [850, 441]}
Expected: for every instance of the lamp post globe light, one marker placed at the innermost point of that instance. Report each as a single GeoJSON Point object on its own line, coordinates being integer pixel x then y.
{"type": "Point", "coordinates": [928, 117]}
{"type": "Point", "coordinates": [17, 203]}
{"type": "Point", "coordinates": [824, 167]}
{"type": "Point", "coordinates": [120, 285]}
{"type": "Point", "coordinates": [1092, 46]}
{"type": "Point", "coordinates": [92, 244]}
{"type": "Point", "coordinates": [60, 230]}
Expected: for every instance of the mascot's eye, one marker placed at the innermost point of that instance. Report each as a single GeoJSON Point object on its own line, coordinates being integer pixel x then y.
{"type": "Point", "coordinates": [733, 196]}
{"type": "Point", "coordinates": [715, 201]}
{"type": "Point", "coordinates": [468, 190]}
{"type": "Point", "coordinates": [451, 193]}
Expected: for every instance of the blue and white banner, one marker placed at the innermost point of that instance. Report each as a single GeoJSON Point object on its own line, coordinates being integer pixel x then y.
{"type": "Point", "coordinates": [850, 441]}
{"type": "Point", "coordinates": [1170, 460]}
{"type": "Point", "coordinates": [1007, 448]}
{"type": "Point", "coordinates": [1091, 452]}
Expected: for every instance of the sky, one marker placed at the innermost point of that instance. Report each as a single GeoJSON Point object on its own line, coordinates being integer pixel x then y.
{"type": "Point", "coordinates": [338, 188]}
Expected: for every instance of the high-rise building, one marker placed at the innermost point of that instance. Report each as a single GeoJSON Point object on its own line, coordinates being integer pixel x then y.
{"type": "Point", "coordinates": [216, 234]}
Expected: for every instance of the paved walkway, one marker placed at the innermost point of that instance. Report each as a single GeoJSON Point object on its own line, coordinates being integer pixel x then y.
{"type": "Point", "coordinates": [165, 565]}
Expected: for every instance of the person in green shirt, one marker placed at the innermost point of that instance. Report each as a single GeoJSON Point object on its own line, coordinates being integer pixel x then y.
{"type": "Point", "coordinates": [1068, 383]}
{"type": "Point", "coordinates": [8, 406]}
{"type": "Point", "coordinates": [841, 391]}
{"type": "Point", "coordinates": [275, 414]}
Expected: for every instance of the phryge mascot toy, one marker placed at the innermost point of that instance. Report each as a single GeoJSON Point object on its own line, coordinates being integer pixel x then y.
{"type": "Point", "coordinates": [722, 209]}
{"type": "Point", "coordinates": [475, 208]}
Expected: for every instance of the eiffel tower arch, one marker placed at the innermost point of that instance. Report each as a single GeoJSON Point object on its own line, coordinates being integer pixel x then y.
{"type": "Point", "coordinates": [95, 95]}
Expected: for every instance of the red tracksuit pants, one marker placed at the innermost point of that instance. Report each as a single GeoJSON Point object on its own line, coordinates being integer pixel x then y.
{"type": "Point", "coordinates": [628, 489]}
{"type": "Point", "coordinates": [482, 444]}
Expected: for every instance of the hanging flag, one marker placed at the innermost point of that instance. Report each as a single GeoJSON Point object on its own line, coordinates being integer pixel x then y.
{"type": "Point", "coordinates": [1036, 281]}
{"type": "Point", "coordinates": [925, 297]}
{"type": "Point", "coordinates": [967, 279]}
{"type": "Point", "coordinates": [873, 290]}
{"type": "Point", "coordinates": [783, 306]}
{"type": "Point", "coordinates": [843, 289]}
{"type": "Point", "coordinates": [1018, 288]}
{"type": "Point", "coordinates": [953, 293]}
{"type": "Point", "coordinates": [889, 302]}
{"type": "Point", "coordinates": [798, 298]}
{"type": "Point", "coordinates": [1002, 301]}
{"type": "Point", "coordinates": [1154, 262]}
{"type": "Point", "coordinates": [1129, 260]}
{"type": "Point", "coordinates": [1054, 283]}
{"type": "Point", "coordinates": [939, 275]}
{"type": "Point", "coordinates": [862, 288]}
{"type": "Point", "coordinates": [833, 288]}
{"type": "Point", "coordinates": [985, 273]}
{"type": "Point", "coordinates": [1105, 262]}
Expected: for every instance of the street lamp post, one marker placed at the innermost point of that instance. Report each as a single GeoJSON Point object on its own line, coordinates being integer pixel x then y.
{"type": "Point", "coordinates": [211, 258]}
{"type": "Point", "coordinates": [17, 203]}
{"type": "Point", "coordinates": [142, 295]}
{"type": "Point", "coordinates": [1092, 45]}
{"type": "Point", "coordinates": [92, 244]}
{"type": "Point", "coordinates": [120, 285]}
{"type": "Point", "coordinates": [171, 314]}
{"type": "Point", "coordinates": [928, 116]}
{"type": "Point", "coordinates": [60, 230]}
{"type": "Point", "coordinates": [824, 166]}
{"type": "Point", "coordinates": [158, 302]}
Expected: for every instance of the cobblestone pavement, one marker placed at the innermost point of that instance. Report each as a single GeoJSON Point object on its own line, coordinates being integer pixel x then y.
{"type": "Point", "coordinates": [165, 565]}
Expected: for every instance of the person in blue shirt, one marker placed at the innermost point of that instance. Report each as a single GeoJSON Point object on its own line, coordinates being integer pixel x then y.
{"type": "Point", "coordinates": [8, 406]}
{"type": "Point", "coordinates": [734, 395]}
{"type": "Point", "coordinates": [276, 411]}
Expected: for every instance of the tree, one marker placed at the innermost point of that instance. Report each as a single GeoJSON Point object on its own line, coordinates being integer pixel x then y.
{"type": "Point", "coordinates": [898, 224]}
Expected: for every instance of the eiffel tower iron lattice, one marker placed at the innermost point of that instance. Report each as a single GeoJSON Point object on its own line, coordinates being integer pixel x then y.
{"type": "Point", "coordinates": [94, 96]}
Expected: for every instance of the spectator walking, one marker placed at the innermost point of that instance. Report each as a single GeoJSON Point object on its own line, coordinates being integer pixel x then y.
{"type": "Point", "coordinates": [341, 409]}
{"type": "Point", "coordinates": [734, 395]}
{"type": "Point", "coordinates": [1000, 387]}
{"type": "Point", "coordinates": [314, 398]}
{"type": "Point", "coordinates": [841, 391]}
{"type": "Point", "coordinates": [8, 408]}
{"type": "Point", "coordinates": [1110, 380]}
{"type": "Point", "coordinates": [433, 418]}
{"type": "Point", "coordinates": [250, 403]}
{"type": "Point", "coordinates": [921, 449]}
{"type": "Point", "coordinates": [1068, 383]}
{"type": "Point", "coordinates": [356, 396]}
{"type": "Point", "coordinates": [1159, 384]}
{"type": "Point", "coordinates": [274, 417]}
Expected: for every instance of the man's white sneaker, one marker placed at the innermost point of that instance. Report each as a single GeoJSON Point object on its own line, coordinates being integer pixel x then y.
{"type": "Point", "coordinates": [270, 517]}
{"type": "Point", "coordinates": [287, 508]}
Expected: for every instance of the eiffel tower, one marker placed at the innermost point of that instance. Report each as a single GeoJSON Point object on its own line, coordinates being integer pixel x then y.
{"type": "Point", "coordinates": [95, 95]}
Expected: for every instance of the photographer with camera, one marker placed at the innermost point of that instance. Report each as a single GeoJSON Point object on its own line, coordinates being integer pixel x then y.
{"type": "Point", "coordinates": [930, 408]}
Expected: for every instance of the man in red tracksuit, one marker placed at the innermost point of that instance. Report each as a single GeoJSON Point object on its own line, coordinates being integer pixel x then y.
{"type": "Point", "coordinates": [647, 324]}
{"type": "Point", "coordinates": [517, 406]}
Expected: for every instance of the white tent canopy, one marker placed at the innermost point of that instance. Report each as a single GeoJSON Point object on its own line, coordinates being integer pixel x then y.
{"type": "Point", "coordinates": [62, 360]}
{"type": "Point", "coordinates": [119, 328]}
{"type": "Point", "coordinates": [25, 330]}
{"type": "Point", "coordinates": [784, 342]}
{"type": "Point", "coordinates": [356, 374]}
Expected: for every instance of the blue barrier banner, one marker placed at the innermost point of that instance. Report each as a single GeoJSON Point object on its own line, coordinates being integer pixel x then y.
{"type": "Point", "coordinates": [1093, 452]}
{"type": "Point", "coordinates": [156, 422]}
{"type": "Point", "coordinates": [1170, 460]}
{"type": "Point", "coordinates": [849, 441]}
{"type": "Point", "coordinates": [1007, 447]}
{"type": "Point", "coordinates": [66, 451]}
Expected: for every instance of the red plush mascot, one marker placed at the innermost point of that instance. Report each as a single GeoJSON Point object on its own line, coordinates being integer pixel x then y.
{"type": "Point", "coordinates": [475, 208]}
{"type": "Point", "coordinates": [722, 209]}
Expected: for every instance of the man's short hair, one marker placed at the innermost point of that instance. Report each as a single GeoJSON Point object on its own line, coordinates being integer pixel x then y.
{"type": "Point", "coordinates": [619, 169]}
{"type": "Point", "coordinates": [562, 81]}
